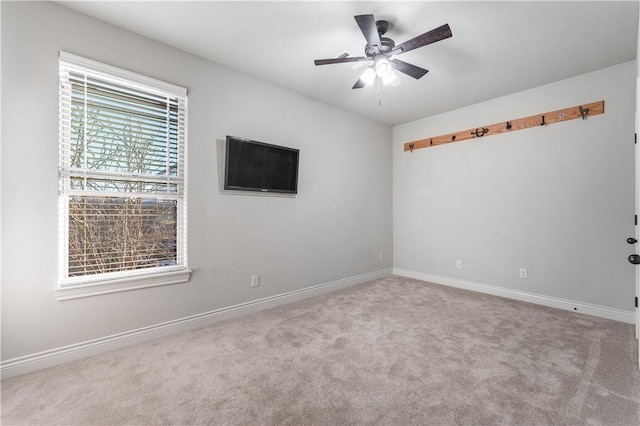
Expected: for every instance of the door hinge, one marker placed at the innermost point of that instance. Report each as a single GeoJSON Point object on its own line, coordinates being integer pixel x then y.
{"type": "Point", "coordinates": [635, 138]}
{"type": "Point", "coordinates": [635, 220]}
{"type": "Point", "coordinates": [636, 301]}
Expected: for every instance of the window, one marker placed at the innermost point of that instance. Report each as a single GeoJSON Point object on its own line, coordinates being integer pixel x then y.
{"type": "Point", "coordinates": [122, 180]}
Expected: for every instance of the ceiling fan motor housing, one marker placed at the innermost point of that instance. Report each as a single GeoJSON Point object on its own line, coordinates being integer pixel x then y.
{"type": "Point", "coordinates": [386, 43]}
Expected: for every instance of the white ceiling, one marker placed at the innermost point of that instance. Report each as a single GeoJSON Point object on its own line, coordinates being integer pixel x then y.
{"type": "Point", "coordinates": [497, 48]}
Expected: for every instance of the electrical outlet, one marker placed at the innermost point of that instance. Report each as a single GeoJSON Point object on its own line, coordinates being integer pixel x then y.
{"type": "Point", "coordinates": [524, 273]}
{"type": "Point", "coordinates": [255, 280]}
{"type": "Point", "coordinates": [381, 257]}
{"type": "Point", "coordinates": [459, 264]}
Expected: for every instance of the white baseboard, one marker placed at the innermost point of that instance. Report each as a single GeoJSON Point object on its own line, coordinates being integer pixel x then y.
{"type": "Point", "coordinates": [32, 362]}
{"type": "Point", "coordinates": [554, 302]}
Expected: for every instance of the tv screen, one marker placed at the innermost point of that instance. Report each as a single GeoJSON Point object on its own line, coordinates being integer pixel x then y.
{"type": "Point", "coordinates": [257, 166]}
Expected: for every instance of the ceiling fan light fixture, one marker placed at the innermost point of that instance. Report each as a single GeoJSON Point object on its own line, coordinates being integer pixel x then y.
{"type": "Point", "coordinates": [389, 78]}
{"type": "Point", "coordinates": [368, 76]}
{"type": "Point", "coordinates": [383, 67]}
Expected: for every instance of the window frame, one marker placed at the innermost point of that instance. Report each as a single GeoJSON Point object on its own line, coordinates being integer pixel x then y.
{"type": "Point", "coordinates": [109, 282]}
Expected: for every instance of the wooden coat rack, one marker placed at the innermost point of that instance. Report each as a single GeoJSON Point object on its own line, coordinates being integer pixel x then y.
{"type": "Point", "coordinates": [581, 111]}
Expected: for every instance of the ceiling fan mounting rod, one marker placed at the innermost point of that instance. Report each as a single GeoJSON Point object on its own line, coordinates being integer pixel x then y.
{"type": "Point", "coordinates": [382, 26]}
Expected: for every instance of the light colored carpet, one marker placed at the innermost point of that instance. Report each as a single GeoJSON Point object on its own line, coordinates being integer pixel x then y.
{"type": "Point", "coordinates": [394, 351]}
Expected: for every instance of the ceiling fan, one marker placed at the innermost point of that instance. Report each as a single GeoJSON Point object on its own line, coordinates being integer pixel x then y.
{"type": "Point", "coordinates": [383, 51]}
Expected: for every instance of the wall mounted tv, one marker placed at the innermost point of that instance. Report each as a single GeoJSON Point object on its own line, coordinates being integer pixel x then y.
{"type": "Point", "coordinates": [261, 167]}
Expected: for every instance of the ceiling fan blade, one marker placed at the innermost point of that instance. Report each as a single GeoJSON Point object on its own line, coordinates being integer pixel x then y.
{"type": "Point", "coordinates": [432, 36]}
{"type": "Point", "coordinates": [408, 69]}
{"type": "Point", "coordinates": [359, 84]}
{"type": "Point", "coordinates": [340, 60]}
{"type": "Point", "coordinates": [367, 24]}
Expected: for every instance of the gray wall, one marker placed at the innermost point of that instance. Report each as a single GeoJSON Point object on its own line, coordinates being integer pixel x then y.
{"type": "Point", "coordinates": [333, 229]}
{"type": "Point", "coordinates": [557, 200]}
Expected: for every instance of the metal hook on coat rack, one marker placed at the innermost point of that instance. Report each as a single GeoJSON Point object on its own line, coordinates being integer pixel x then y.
{"type": "Point", "coordinates": [584, 112]}
{"type": "Point", "coordinates": [479, 132]}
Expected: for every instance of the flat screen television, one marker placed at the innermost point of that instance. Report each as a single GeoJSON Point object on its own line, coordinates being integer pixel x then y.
{"type": "Point", "coordinates": [261, 167]}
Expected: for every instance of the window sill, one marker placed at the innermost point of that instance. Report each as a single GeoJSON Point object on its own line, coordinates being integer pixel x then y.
{"type": "Point", "coordinates": [105, 286]}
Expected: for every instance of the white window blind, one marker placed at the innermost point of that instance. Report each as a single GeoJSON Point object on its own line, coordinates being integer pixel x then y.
{"type": "Point", "coordinates": [122, 173]}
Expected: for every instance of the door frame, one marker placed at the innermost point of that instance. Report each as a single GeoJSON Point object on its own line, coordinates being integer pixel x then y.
{"type": "Point", "coordinates": [637, 208]}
